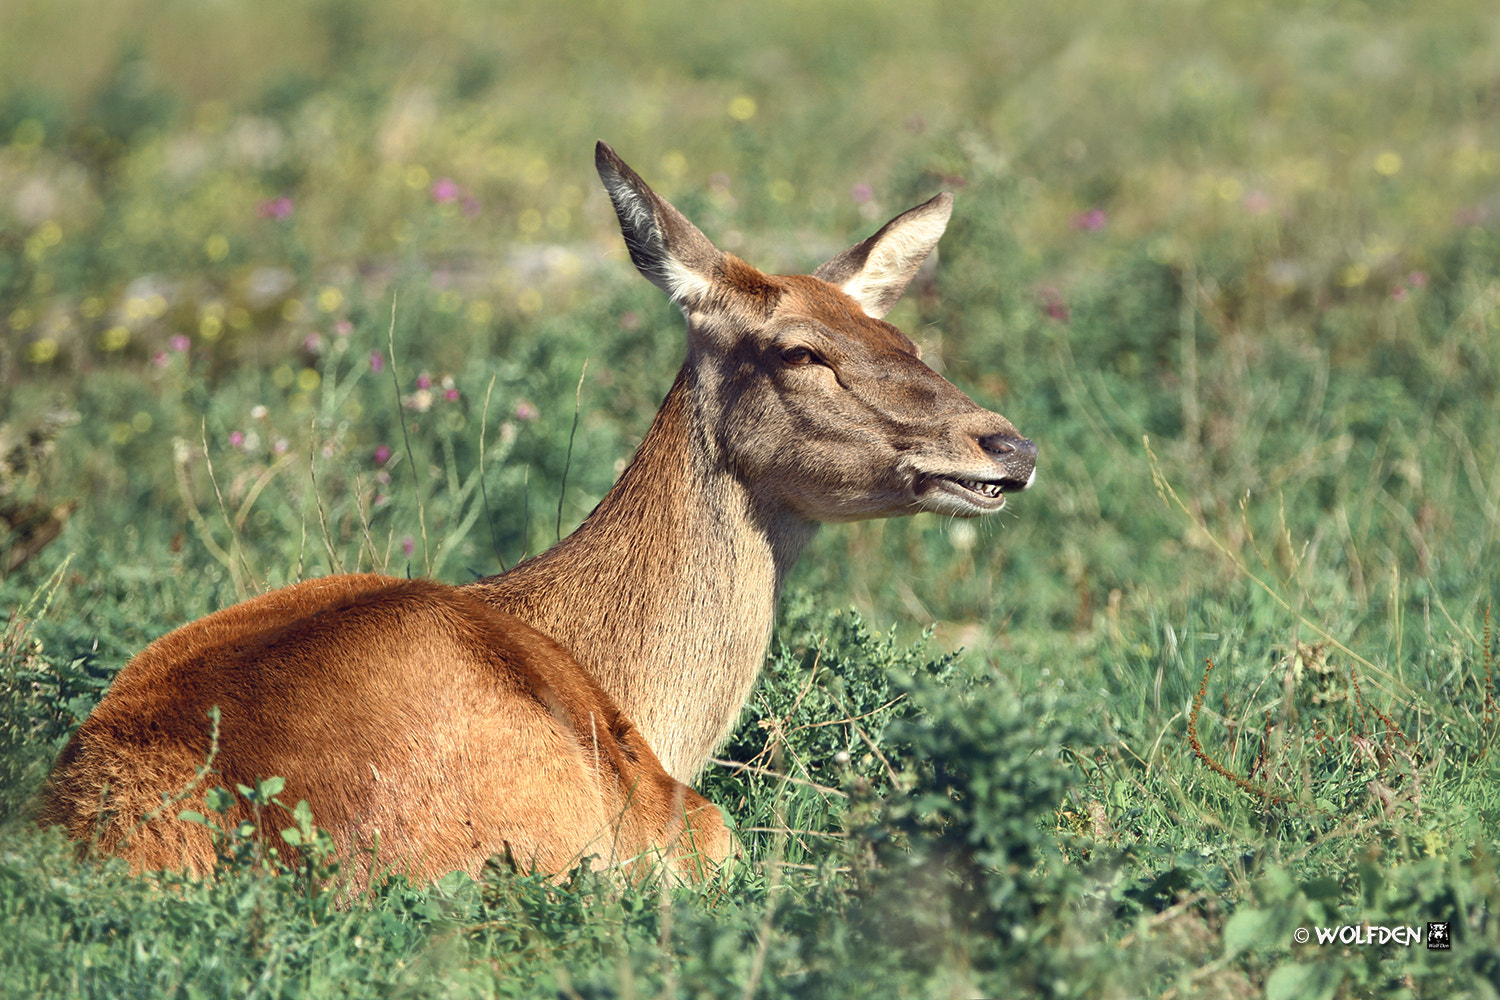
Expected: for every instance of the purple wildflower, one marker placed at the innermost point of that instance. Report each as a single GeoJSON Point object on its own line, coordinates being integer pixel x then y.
{"type": "Point", "coordinates": [1054, 305]}
{"type": "Point", "coordinates": [275, 208]}
{"type": "Point", "coordinates": [1091, 221]}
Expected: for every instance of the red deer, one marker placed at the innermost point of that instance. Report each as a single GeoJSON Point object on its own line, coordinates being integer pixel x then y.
{"type": "Point", "coordinates": [558, 711]}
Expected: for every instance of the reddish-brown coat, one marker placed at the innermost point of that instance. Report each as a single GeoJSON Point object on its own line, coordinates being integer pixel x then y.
{"type": "Point", "coordinates": [446, 732]}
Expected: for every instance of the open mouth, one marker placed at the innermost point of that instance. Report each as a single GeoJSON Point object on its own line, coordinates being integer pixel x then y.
{"type": "Point", "coordinates": [957, 495]}
{"type": "Point", "coordinates": [990, 490]}
{"type": "Point", "coordinates": [964, 497]}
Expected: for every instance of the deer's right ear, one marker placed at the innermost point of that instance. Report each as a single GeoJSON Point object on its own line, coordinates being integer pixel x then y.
{"type": "Point", "coordinates": [666, 248]}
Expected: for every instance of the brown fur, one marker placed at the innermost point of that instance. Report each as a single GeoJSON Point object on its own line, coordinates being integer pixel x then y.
{"type": "Point", "coordinates": [445, 731]}
{"type": "Point", "coordinates": [556, 711]}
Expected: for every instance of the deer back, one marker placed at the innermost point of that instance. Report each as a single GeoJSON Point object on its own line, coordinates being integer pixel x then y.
{"type": "Point", "coordinates": [427, 730]}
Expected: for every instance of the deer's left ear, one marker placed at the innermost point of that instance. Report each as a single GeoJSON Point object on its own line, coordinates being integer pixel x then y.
{"type": "Point", "coordinates": [668, 249]}
{"type": "Point", "coordinates": [875, 273]}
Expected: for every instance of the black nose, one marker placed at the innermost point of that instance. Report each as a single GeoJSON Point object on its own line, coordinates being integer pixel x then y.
{"type": "Point", "coordinates": [1016, 457]}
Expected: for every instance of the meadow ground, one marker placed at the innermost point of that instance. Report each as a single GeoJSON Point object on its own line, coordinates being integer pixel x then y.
{"type": "Point", "coordinates": [291, 288]}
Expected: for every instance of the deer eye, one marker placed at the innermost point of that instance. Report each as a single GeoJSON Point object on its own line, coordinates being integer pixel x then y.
{"type": "Point", "coordinates": [798, 356]}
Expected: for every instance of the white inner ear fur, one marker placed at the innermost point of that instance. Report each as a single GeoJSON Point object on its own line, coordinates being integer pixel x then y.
{"type": "Point", "coordinates": [635, 212]}
{"type": "Point", "coordinates": [893, 261]}
{"type": "Point", "coordinates": [685, 286]}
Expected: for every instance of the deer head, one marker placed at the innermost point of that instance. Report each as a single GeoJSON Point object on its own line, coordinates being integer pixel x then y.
{"type": "Point", "coordinates": [813, 401]}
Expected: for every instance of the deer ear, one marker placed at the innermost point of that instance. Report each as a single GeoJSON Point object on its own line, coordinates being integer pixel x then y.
{"type": "Point", "coordinates": [876, 272]}
{"type": "Point", "coordinates": [666, 248]}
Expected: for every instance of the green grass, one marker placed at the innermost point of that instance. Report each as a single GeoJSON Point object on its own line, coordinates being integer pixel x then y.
{"type": "Point", "coordinates": [287, 289]}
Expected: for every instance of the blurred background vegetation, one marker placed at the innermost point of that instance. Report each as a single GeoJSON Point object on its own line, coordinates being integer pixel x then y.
{"type": "Point", "coordinates": [293, 287]}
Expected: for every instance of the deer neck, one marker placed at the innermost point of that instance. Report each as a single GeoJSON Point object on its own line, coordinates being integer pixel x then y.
{"type": "Point", "coordinates": [666, 594]}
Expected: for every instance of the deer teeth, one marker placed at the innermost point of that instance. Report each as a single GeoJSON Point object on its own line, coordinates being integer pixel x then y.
{"type": "Point", "coordinates": [984, 489]}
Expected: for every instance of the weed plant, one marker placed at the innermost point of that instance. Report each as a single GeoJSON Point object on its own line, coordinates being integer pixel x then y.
{"type": "Point", "coordinates": [291, 289]}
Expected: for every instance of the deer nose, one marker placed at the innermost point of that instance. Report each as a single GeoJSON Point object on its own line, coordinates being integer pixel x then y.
{"type": "Point", "coordinates": [1016, 456]}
